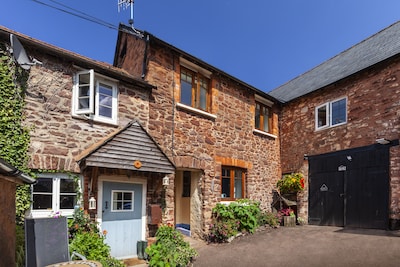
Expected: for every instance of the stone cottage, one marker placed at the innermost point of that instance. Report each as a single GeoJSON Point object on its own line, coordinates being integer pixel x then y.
{"type": "Point", "coordinates": [221, 134]}
{"type": "Point", "coordinates": [89, 128]}
{"type": "Point", "coordinates": [346, 112]}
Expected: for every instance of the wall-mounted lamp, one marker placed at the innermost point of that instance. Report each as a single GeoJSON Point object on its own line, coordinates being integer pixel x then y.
{"type": "Point", "coordinates": [92, 203]}
{"type": "Point", "coordinates": [382, 141]}
{"type": "Point", "coordinates": [165, 180]}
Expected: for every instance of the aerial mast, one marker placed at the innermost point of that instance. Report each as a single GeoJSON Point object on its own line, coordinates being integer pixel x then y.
{"type": "Point", "coordinates": [125, 4]}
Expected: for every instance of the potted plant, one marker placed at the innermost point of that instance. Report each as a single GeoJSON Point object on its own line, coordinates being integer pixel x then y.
{"type": "Point", "coordinates": [289, 218]}
{"type": "Point", "coordinates": [291, 183]}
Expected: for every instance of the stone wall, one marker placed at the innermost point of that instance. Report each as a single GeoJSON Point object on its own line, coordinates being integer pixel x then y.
{"type": "Point", "coordinates": [202, 142]}
{"type": "Point", "coordinates": [373, 102]}
{"type": "Point", "coordinates": [56, 136]}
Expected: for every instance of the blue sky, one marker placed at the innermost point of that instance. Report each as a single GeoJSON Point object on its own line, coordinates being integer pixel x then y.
{"type": "Point", "coordinates": [261, 42]}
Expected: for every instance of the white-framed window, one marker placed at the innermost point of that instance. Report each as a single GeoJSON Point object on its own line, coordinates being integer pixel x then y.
{"type": "Point", "coordinates": [331, 114]}
{"type": "Point", "coordinates": [122, 200]}
{"type": "Point", "coordinates": [54, 192]}
{"type": "Point", "coordinates": [95, 96]}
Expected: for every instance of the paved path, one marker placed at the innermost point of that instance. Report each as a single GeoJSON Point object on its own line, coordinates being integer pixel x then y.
{"type": "Point", "coordinates": [305, 246]}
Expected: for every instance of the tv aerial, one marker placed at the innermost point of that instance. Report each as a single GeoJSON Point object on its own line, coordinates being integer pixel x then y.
{"type": "Point", "coordinates": [20, 55]}
{"type": "Point", "coordinates": [125, 4]}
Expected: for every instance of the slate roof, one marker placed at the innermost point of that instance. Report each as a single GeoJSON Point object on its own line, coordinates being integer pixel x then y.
{"type": "Point", "coordinates": [124, 147]}
{"type": "Point", "coordinates": [372, 50]}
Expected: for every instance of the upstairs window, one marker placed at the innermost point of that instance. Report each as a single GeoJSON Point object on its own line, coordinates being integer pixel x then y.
{"type": "Point", "coordinates": [95, 96]}
{"type": "Point", "coordinates": [331, 114]}
{"type": "Point", "coordinates": [194, 89]}
{"type": "Point", "coordinates": [232, 183]}
{"type": "Point", "coordinates": [263, 118]}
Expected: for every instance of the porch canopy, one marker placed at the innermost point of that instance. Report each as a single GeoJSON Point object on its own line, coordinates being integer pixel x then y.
{"type": "Point", "coordinates": [129, 148]}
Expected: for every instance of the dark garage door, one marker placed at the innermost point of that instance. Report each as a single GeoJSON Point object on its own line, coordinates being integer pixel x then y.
{"type": "Point", "coordinates": [350, 188]}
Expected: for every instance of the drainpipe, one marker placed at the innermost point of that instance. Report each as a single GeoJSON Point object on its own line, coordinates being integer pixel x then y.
{"type": "Point", "coordinates": [145, 57]}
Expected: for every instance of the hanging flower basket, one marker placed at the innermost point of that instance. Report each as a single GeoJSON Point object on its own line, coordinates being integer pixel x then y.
{"type": "Point", "coordinates": [291, 183]}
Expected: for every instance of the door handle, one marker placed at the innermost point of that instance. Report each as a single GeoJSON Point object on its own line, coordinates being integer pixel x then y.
{"type": "Point", "coordinates": [106, 206]}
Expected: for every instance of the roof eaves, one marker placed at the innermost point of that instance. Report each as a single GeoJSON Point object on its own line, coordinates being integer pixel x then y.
{"type": "Point", "coordinates": [101, 67]}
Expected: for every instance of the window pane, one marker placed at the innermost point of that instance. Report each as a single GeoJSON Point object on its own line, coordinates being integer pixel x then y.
{"type": "Point", "coordinates": [338, 111]}
{"type": "Point", "coordinates": [203, 93]}
{"type": "Point", "coordinates": [84, 91]}
{"type": "Point", "coordinates": [238, 184]}
{"type": "Point", "coordinates": [257, 116]}
{"type": "Point", "coordinates": [186, 87]}
{"type": "Point", "coordinates": [226, 187]}
{"type": "Point", "coordinates": [105, 100]}
{"type": "Point", "coordinates": [67, 186]}
{"type": "Point", "coordinates": [186, 184]}
{"type": "Point", "coordinates": [265, 119]}
{"type": "Point", "coordinates": [186, 93]}
{"type": "Point", "coordinates": [67, 201]}
{"type": "Point", "coordinates": [43, 185]}
{"type": "Point", "coordinates": [42, 202]}
{"type": "Point", "coordinates": [321, 116]}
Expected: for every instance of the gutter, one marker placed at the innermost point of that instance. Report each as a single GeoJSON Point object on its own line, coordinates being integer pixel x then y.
{"type": "Point", "coordinates": [9, 170]}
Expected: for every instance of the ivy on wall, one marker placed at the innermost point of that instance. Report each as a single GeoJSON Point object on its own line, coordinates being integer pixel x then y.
{"type": "Point", "coordinates": [14, 137]}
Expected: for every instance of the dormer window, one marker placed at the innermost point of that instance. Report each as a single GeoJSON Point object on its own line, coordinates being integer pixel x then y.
{"type": "Point", "coordinates": [95, 97]}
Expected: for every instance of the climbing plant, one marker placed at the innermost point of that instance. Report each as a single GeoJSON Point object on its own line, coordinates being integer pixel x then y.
{"type": "Point", "coordinates": [14, 137]}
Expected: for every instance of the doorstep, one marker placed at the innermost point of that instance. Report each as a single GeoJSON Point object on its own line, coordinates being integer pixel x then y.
{"type": "Point", "coordinates": [135, 262]}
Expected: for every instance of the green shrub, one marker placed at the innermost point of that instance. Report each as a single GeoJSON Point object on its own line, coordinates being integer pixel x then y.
{"type": "Point", "coordinates": [86, 239]}
{"type": "Point", "coordinates": [222, 230]}
{"type": "Point", "coordinates": [93, 247]}
{"type": "Point", "coordinates": [20, 246]}
{"type": "Point", "coordinates": [170, 249]}
{"type": "Point", "coordinates": [271, 219]}
{"type": "Point", "coordinates": [241, 216]}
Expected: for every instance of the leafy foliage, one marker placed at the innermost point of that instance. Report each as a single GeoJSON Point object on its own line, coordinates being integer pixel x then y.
{"type": "Point", "coordinates": [170, 249]}
{"type": "Point", "coordinates": [241, 216]}
{"type": "Point", "coordinates": [291, 183]}
{"type": "Point", "coordinates": [20, 246]}
{"type": "Point", "coordinates": [86, 239]}
{"type": "Point", "coordinates": [14, 138]}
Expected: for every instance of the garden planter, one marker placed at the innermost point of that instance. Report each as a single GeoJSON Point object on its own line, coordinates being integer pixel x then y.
{"type": "Point", "coordinates": [289, 221]}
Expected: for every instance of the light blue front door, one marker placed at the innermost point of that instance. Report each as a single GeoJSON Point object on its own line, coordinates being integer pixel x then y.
{"type": "Point", "coordinates": [122, 217]}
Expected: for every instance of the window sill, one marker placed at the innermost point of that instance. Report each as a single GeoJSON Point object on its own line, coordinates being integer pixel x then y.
{"type": "Point", "coordinates": [330, 126]}
{"type": "Point", "coordinates": [264, 133]}
{"type": "Point", "coordinates": [196, 111]}
{"type": "Point", "coordinates": [94, 119]}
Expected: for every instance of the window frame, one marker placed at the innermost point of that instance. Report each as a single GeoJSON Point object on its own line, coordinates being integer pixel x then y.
{"type": "Point", "coordinates": [262, 117]}
{"type": "Point", "coordinates": [232, 177]}
{"type": "Point", "coordinates": [328, 116]}
{"type": "Point", "coordinates": [93, 111]}
{"type": "Point", "coordinates": [55, 195]}
{"type": "Point", "coordinates": [196, 91]}
{"type": "Point", "coordinates": [122, 191]}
